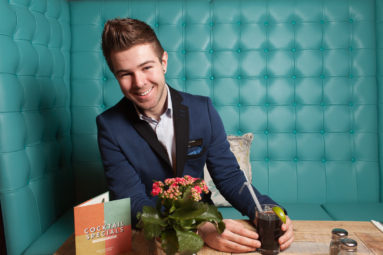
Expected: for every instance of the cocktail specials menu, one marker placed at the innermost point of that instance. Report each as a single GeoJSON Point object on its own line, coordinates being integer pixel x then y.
{"type": "Point", "coordinates": [103, 226]}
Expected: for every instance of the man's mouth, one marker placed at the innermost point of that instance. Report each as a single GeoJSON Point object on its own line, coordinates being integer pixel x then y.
{"type": "Point", "coordinates": [146, 92]}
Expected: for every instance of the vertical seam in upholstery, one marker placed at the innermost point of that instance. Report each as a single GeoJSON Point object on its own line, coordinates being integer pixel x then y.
{"type": "Point", "coordinates": [267, 109]}
{"type": "Point", "coordinates": [323, 135]}
{"type": "Point", "coordinates": [352, 107]}
{"type": "Point", "coordinates": [295, 109]}
{"type": "Point", "coordinates": [238, 68]}
{"type": "Point", "coordinates": [183, 24]}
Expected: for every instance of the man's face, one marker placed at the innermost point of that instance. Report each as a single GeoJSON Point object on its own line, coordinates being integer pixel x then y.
{"type": "Point", "coordinates": [141, 76]}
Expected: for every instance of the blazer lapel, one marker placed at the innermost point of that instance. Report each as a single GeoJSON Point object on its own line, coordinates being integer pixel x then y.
{"type": "Point", "coordinates": [181, 130]}
{"type": "Point", "coordinates": [146, 132]}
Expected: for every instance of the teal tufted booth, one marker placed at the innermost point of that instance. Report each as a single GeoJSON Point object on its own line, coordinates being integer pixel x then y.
{"type": "Point", "coordinates": [304, 76]}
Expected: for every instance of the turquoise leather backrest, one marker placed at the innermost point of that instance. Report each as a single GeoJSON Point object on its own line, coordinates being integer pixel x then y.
{"type": "Point", "coordinates": [36, 177]}
{"type": "Point", "coordinates": [300, 75]}
{"type": "Point", "coordinates": [303, 75]}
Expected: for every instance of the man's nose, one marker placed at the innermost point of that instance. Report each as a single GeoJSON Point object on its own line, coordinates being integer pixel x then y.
{"type": "Point", "coordinates": [138, 80]}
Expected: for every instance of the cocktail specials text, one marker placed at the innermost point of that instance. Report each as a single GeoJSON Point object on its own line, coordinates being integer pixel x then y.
{"type": "Point", "coordinates": [104, 230]}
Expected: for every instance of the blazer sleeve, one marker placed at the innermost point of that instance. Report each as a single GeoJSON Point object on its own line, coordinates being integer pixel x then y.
{"type": "Point", "coordinates": [122, 179]}
{"type": "Point", "coordinates": [224, 169]}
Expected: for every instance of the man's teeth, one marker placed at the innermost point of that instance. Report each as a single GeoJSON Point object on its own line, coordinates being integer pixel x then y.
{"type": "Point", "coordinates": [146, 92]}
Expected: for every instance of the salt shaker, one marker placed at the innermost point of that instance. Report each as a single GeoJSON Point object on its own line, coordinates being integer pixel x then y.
{"type": "Point", "coordinates": [337, 234]}
{"type": "Point", "coordinates": [348, 246]}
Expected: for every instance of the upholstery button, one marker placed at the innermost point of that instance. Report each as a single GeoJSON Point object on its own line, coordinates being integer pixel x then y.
{"type": "Point", "coordinates": [184, 52]}
{"type": "Point", "coordinates": [322, 132]}
{"type": "Point", "coordinates": [350, 48]}
{"type": "Point", "coordinates": [183, 24]}
{"type": "Point", "coordinates": [238, 22]}
{"type": "Point", "coordinates": [156, 25]}
{"type": "Point", "coordinates": [211, 51]}
{"type": "Point", "coordinates": [184, 78]}
{"type": "Point", "coordinates": [212, 77]}
{"type": "Point", "coordinates": [351, 104]}
{"type": "Point", "coordinates": [211, 24]}
{"type": "Point", "coordinates": [239, 51]}
{"type": "Point", "coordinates": [267, 159]}
{"type": "Point", "coordinates": [323, 160]}
{"type": "Point", "coordinates": [266, 132]}
{"type": "Point", "coordinates": [351, 20]}
{"type": "Point", "coordinates": [293, 22]}
{"type": "Point", "coordinates": [351, 131]}
{"type": "Point", "coordinates": [104, 78]}
{"type": "Point", "coordinates": [294, 104]}
{"type": "Point", "coordinates": [239, 77]}
{"type": "Point", "coordinates": [321, 49]}
{"type": "Point", "coordinates": [322, 76]}
{"type": "Point", "coordinates": [353, 159]}
{"type": "Point", "coordinates": [103, 106]}
{"type": "Point", "coordinates": [294, 77]}
{"type": "Point", "coordinates": [294, 132]}
{"type": "Point", "coordinates": [239, 105]}
{"type": "Point", "coordinates": [322, 21]}
{"type": "Point", "coordinates": [295, 159]}
{"type": "Point", "coordinates": [266, 77]}
{"type": "Point", "coordinates": [266, 23]}
{"type": "Point", "coordinates": [322, 104]}
{"type": "Point", "coordinates": [266, 50]}
{"type": "Point", "coordinates": [351, 76]}
{"type": "Point", "coordinates": [267, 105]}
{"type": "Point", "coordinates": [239, 132]}
{"type": "Point", "coordinates": [293, 50]}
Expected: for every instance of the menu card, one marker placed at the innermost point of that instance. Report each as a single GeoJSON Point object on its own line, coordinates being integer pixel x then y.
{"type": "Point", "coordinates": [103, 226]}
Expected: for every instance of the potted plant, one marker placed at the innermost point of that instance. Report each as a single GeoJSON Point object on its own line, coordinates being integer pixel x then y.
{"type": "Point", "coordinates": [178, 214]}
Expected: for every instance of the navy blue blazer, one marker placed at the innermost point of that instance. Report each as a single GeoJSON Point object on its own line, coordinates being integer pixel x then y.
{"type": "Point", "coordinates": [133, 157]}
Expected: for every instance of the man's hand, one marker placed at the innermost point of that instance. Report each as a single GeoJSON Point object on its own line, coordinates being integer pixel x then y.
{"type": "Point", "coordinates": [235, 238]}
{"type": "Point", "coordinates": [288, 237]}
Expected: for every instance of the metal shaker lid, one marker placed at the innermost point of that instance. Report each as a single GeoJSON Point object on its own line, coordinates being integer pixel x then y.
{"type": "Point", "coordinates": [348, 244]}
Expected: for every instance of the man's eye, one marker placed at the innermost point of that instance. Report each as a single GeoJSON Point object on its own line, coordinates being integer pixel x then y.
{"type": "Point", "coordinates": [147, 67]}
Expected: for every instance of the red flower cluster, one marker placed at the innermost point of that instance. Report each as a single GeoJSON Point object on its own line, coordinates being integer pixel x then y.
{"type": "Point", "coordinates": [174, 188]}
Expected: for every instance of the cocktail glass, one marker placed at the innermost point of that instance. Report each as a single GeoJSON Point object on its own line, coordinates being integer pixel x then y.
{"type": "Point", "coordinates": [268, 226]}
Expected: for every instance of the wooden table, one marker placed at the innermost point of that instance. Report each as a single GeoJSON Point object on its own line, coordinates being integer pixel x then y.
{"type": "Point", "coordinates": [311, 237]}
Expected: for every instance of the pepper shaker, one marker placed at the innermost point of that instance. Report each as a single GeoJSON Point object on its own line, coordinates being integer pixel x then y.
{"type": "Point", "coordinates": [337, 234]}
{"type": "Point", "coordinates": [348, 246]}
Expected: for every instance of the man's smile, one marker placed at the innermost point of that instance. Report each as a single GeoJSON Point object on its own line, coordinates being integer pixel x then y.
{"type": "Point", "coordinates": [145, 92]}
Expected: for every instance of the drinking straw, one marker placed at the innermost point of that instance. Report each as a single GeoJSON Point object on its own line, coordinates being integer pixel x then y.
{"type": "Point", "coordinates": [252, 193]}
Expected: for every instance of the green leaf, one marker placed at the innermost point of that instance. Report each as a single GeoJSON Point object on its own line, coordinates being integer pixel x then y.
{"type": "Point", "coordinates": [187, 213]}
{"type": "Point", "coordinates": [221, 227]}
{"type": "Point", "coordinates": [210, 213]}
{"type": "Point", "coordinates": [151, 221]}
{"type": "Point", "coordinates": [169, 242]}
{"type": "Point", "coordinates": [188, 241]}
{"type": "Point", "coordinates": [186, 201]}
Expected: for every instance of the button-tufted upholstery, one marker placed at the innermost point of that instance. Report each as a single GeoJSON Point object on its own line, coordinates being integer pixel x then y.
{"type": "Point", "coordinates": [304, 76]}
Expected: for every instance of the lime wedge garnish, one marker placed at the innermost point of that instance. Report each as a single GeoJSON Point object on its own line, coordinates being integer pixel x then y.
{"type": "Point", "coordinates": [280, 213]}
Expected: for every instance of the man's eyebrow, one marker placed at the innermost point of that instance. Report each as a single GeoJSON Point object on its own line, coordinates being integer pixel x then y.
{"type": "Point", "coordinates": [140, 65]}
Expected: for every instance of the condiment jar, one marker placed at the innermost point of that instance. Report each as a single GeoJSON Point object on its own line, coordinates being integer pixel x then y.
{"type": "Point", "coordinates": [348, 246]}
{"type": "Point", "coordinates": [337, 234]}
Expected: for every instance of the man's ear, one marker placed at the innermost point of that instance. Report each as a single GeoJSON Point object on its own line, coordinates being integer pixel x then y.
{"type": "Point", "coordinates": [164, 61]}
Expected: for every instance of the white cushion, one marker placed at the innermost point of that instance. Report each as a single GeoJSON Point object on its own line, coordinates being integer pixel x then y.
{"type": "Point", "coordinates": [240, 146]}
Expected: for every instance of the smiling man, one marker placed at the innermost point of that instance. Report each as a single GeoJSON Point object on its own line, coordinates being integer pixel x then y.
{"type": "Point", "coordinates": [156, 132]}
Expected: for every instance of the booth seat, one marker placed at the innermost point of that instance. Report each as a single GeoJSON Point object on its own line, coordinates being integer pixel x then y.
{"type": "Point", "coordinates": [304, 76]}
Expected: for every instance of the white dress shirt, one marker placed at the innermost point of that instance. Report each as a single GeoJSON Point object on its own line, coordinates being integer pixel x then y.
{"type": "Point", "coordinates": [164, 128]}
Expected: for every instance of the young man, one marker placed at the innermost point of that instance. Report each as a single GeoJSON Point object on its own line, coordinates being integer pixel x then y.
{"type": "Point", "coordinates": [156, 132]}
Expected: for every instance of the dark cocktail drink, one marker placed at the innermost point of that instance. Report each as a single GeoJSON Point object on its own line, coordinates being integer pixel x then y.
{"type": "Point", "coordinates": [268, 226]}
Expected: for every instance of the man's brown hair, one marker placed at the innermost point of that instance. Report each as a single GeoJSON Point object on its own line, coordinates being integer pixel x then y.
{"type": "Point", "coordinates": [122, 34]}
